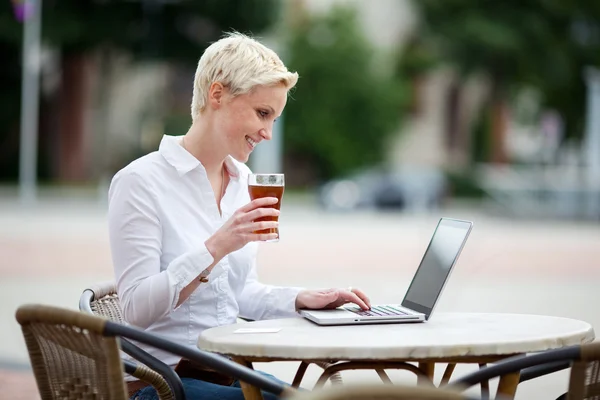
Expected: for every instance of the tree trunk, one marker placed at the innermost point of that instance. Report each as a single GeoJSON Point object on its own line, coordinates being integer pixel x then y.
{"type": "Point", "coordinates": [417, 83]}
{"type": "Point", "coordinates": [72, 115]}
{"type": "Point", "coordinates": [452, 129]}
{"type": "Point", "coordinates": [456, 129]}
{"type": "Point", "coordinates": [499, 124]}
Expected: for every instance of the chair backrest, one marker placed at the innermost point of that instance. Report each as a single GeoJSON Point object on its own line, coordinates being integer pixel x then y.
{"type": "Point", "coordinates": [70, 357]}
{"type": "Point", "coordinates": [102, 299]}
{"type": "Point", "coordinates": [379, 392]}
{"type": "Point", "coordinates": [585, 374]}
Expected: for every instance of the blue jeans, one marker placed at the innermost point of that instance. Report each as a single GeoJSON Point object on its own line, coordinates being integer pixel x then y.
{"type": "Point", "coordinates": [200, 390]}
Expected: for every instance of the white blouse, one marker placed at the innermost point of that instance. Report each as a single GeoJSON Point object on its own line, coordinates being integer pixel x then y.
{"type": "Point", "coordinates": [161, 211]}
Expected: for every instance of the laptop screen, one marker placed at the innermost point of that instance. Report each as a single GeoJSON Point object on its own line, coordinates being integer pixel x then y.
{"type": "Point", "coordinates": [442, 252]}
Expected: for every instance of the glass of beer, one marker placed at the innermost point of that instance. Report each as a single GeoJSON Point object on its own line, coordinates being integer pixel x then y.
{"type": "Point", "coordinates": [267, 185]}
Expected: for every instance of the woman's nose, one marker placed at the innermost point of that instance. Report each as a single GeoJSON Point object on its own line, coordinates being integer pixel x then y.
{"type": "Point", "coordinates": [265, 134]}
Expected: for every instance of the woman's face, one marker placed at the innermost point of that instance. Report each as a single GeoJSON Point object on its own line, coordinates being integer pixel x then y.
{"type": "Point", "coordinates": [246, 120]}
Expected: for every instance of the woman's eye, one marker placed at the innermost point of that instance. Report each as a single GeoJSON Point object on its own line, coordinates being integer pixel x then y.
{"type": "Point", "coordinates": [263, 113]}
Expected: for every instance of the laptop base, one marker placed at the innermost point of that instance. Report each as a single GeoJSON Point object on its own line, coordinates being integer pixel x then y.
{"type": "Point", "coordinates": [342, 317]}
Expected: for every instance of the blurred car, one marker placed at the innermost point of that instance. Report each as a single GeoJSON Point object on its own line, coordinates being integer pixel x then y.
{"type": "Point", "coordinates": [406, 188]}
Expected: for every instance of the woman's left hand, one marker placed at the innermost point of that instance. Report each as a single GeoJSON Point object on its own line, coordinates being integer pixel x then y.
{"type": "Point", "coordinates": [331, 298]}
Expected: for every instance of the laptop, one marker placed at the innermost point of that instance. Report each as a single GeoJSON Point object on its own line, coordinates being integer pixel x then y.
{"type": "Point", "coordinates": [424, 291]}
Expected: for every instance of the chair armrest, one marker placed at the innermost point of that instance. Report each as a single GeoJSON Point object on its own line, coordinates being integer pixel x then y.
{"type": "Point", "coordinates": [544, 369]}
{"type": "Point", "coordinates": [518, 364]}
{"type": "Point", "coordinates": [165, 371]}
{"type": "Point", "coordinates": [151, 377]}
{"type": "Point", "coordinates": [129, 367]}
{"type": "Point", "coordinates": [85, 300]}
{"type": "Point", "coordinates": [211, 360]}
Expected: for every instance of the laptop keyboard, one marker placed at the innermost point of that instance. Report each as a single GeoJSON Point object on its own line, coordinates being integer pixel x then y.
{"type": "Point", "coordinates": [376, 311]}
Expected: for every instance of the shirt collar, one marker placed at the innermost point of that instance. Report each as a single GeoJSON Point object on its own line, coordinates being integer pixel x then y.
{"type": "Point", "coordinates": [172, 151]}
{"type": "Point", "coordinates": [232, 169]}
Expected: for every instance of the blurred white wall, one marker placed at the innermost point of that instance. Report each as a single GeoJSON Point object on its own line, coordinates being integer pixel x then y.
{"type": "Point", "coordinates": [128, 106]}
{"type": "Point", "coordinates": [385, 22]}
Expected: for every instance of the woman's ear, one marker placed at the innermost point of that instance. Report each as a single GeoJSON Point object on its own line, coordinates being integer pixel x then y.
{"type": "Point", "coordinates": [215, 95]}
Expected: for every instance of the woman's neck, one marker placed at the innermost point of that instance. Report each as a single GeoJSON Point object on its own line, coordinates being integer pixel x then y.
{"type": "Point", "coordinates": [203, 144]}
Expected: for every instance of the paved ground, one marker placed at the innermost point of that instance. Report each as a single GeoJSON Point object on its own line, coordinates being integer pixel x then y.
{"type": "Point", "coordinates": [52, 251]}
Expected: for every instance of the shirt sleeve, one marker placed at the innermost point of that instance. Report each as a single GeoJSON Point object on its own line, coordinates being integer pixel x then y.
{"type": "Point", "coordinates": [135, 234]}
{"type": "Point", "coordinates": [258, 301]}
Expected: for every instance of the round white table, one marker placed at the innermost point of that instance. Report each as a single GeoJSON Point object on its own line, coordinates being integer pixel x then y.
{"type": "Point", "coordinates": [446, 338]}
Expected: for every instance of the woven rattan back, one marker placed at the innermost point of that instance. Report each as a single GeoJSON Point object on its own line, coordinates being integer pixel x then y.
{"type": "Point", "coordinates": [585, 374]}
{"type": "Point", "coordinates": [71, 359]}
{"type": "Point", "coordinates": [106, 302]}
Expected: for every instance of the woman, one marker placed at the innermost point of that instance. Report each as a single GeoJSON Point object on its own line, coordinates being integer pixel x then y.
{"type": "Point", "coordinates": [181, 220]}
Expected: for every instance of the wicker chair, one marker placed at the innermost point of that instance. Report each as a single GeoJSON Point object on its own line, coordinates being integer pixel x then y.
{"type": "Point", "coordinates": [584, 361]}
{"type": "Point", "coordinates": [102, 300]}
{"type": "Point", "coordinates": [381, 392]}
{"type": "Point", "coordinates": [76, 355]}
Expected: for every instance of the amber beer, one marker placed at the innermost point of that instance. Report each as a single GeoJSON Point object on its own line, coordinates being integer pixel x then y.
{"type": "Point", "coordinates": [267, 185]}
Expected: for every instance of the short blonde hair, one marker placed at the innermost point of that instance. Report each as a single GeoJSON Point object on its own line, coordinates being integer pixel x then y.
{"type": "Point", "coordinates": [240, 63]}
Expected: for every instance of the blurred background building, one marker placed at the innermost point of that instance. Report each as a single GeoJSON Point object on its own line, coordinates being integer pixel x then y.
{"type": "Point", "coordinates": [423, 101]}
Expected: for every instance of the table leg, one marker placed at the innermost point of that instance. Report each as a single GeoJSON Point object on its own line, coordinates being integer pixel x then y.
{"type": "Point", "coordinates": [428, 369]}
{"type": "Point", "coordinates": [383, 376]}
{"type": "Point", "coordinates": [250, 392]}
{"type": "Point", "coordinates": [379, 366]}
{"type": "Point", "coordinates": [447, 374]}
{"type": "Point", "coordinates": [507, 387]}
{"type": "Point", "coordinates": [300, 374]}
{"type": "Point", "coordinates": [485, 385]}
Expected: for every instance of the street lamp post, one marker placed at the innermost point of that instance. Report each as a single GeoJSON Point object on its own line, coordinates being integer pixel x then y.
{"type": "Point", "coordinates": [592, 141]}
{"type": "Point", "coordinates": [32, 19]}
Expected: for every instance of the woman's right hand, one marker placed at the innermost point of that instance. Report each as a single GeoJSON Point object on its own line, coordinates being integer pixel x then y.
{"type": "Point", "coordinates": [239, 229]}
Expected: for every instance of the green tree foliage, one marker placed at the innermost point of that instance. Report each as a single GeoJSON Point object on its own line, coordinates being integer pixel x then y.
{"type": "Point", "coordinates": [175, 30]}
{"type": "Point", "coordinates": [544, 44]}
{"type": "Point", "coordinates": [343, 110]}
